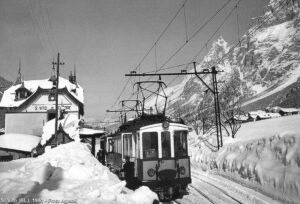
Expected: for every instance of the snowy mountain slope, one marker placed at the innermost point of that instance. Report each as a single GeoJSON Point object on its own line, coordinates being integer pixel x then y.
{"type": "Point", "coordinates": [265, 64]}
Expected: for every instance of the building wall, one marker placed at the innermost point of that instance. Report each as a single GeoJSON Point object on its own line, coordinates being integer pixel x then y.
{"type": "Point", "coordinates": [43, 104]}
{"type": "Point", "coordinates": [25, 123]}
{"type": "Point", "coordinates": [2, 119]}
{"type": "Point", "coordinates": [32, 118]}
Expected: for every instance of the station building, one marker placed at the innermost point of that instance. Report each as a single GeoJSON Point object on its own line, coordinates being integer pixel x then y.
{"type": "Point", "coordinates": [28, 105]}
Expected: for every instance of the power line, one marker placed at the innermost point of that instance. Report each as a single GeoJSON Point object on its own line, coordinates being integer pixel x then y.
{"type": "Point", "coordinates": [250, 33]}
{"type": "Point", "coordinates": [198, 30]}
{"type": "Point", "coordinates": [216, 31]}
{"type": "Point", "coordinates": [219, 27]}
{"type": "Point", "coordinates": [235, 7]}
{"type": "Point", "coordinates": [206, 23]}
{"type": "Point", "coordinates": [160, 36]}
{"type": "Point", "coordinates": [187, 41]}
{"type": "Point", "coordinates": [148, 52]}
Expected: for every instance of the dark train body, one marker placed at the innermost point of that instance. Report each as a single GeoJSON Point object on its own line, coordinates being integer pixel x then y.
{"type": "Point", "coordinates": [158, 151]}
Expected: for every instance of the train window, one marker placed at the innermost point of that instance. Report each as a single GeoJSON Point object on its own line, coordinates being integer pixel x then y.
{"type": "Point", "coordinates": [166, 144]}
{"type": "Point", "coordinates": [150, 144]}
{"type": "Point", "coordinates": [180, 143]}
{"type": "Point", "coordinates": [115, 145]}
{"type": "Point", "coordinates": [127, 145]}
{"type": "Point", "coordinates": [119, 145]}
{"type": "Point", "coordinates": [137, 145]}
{"type": "Point", "coordinates": [110, 145]}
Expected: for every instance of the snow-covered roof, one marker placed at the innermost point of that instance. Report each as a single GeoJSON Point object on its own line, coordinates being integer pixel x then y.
{"type": "Point", "coordinates": [20, 142]}
{"type": "Point", "coordinates": [274, 115]}
{"type": "Point", "coordinates": [8, 99]}
{"type": "Point", "coordinates": [259, 113]}
{"type": "Point", "coordinates": [241, 117]}
{"type": "Point", "coordinates": [289, 110]}
{"type": "Point", "coordinates": [88, 131]}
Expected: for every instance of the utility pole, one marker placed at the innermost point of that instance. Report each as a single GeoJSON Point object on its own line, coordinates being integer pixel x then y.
{"type": "Point", "coordinates": [56, 93]}
{"type": "Point", "coordinates": [213, 90]}
{"type": "Point", "coordinates": [217, 108]}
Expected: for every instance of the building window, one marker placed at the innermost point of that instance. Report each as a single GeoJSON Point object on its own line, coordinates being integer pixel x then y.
{"type": "Point", "coordinates": [22, 94]}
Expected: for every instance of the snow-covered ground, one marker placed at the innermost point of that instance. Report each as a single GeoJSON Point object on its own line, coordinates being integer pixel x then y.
{"type": "Point", "coordinates": [265, 155]}
{"type": "Point", "coordinates": [210, 188]}
{"type": "Point", "coordinates": [65, 174]}
{"type": "Point", "coordinates": [261, 165]}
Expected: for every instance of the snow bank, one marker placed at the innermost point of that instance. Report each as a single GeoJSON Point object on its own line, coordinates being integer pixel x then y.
{"type": "Point", "coordinates": [265, 153]}
{"type": "Point", "coordinates": [70, 124]}
{"type": "Point", "coordinates": [270, 161]}
{"type": "Point", "coordinates": [68, 173]}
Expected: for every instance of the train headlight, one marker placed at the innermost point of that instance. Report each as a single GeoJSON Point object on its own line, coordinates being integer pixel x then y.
{"type": "Point", "coordinates": [182, 170]}
{"type": "Point", "coordinates": [151, 172]}
{"type": "Point", "coordinates": [165, 124]}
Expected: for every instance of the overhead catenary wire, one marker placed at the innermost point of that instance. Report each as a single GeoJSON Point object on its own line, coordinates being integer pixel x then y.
{"type": "Point", "coordinates": [40, 17]}
{"type": "Point", "coordinates": [44, 22]}
{"type": "Point", "coordinates": [237, 23]}
{"type": "Point", "coordinates": [185, 25]}
{"type": "Point", "coordinates": [219, 27]}
{"type": "Point", "coordinates": [197, 32]}
{"type": "Point", "coordinates": [160, 36]}
{"type": "Point", "coordinates": [184, 44]}
{"type": "Point", "coordinates": [250, 33]}
{"type": "Point", "coordinates": [239, 41]}
{"type": "Point", "coordinates": [138, 67]}
{"type": "Point", "coordinates": [215, 32]}
{"type": "Point", "coordinates": [39, 29]}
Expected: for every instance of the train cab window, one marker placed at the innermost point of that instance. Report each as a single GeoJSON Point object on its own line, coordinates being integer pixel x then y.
{"type": "Point", "coordinates": [166, 144]}
{"type": "Point", "coordinates": [150, 144]}
{"type": "Point", "coordinates": [180, 143]}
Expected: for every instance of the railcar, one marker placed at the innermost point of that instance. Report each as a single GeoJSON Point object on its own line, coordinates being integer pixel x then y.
{"type": "Point", "coordinates": [158, 150]}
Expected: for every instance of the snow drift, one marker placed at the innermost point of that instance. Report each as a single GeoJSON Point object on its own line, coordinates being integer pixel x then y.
{"type": "Point", "coordinates": [266, 158]}
{"type": "Point", "coordinates": [69, 123]}
{"type": "Point", "coordinates": [67, 173]}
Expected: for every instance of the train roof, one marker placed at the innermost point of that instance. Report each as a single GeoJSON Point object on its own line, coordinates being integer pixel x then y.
{"type": "Point", "coordinates": [145, 120]}
{"type": "Point", "coordinates": [170, 126]}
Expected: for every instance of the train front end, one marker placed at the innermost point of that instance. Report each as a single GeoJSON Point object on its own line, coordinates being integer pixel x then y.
{"type": "Point", "coordinates": [163, 163]}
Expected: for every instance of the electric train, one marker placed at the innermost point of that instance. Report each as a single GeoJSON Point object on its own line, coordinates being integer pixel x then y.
{"type": "Point", "coordinates": [158, 151]}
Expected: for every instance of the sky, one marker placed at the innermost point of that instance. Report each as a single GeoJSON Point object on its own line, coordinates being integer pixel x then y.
{"type": "Point", "coordinates": [106, 39]}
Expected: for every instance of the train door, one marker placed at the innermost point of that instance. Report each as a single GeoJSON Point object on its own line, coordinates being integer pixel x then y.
{"type": "Point", "coordinates": [165, 144]}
